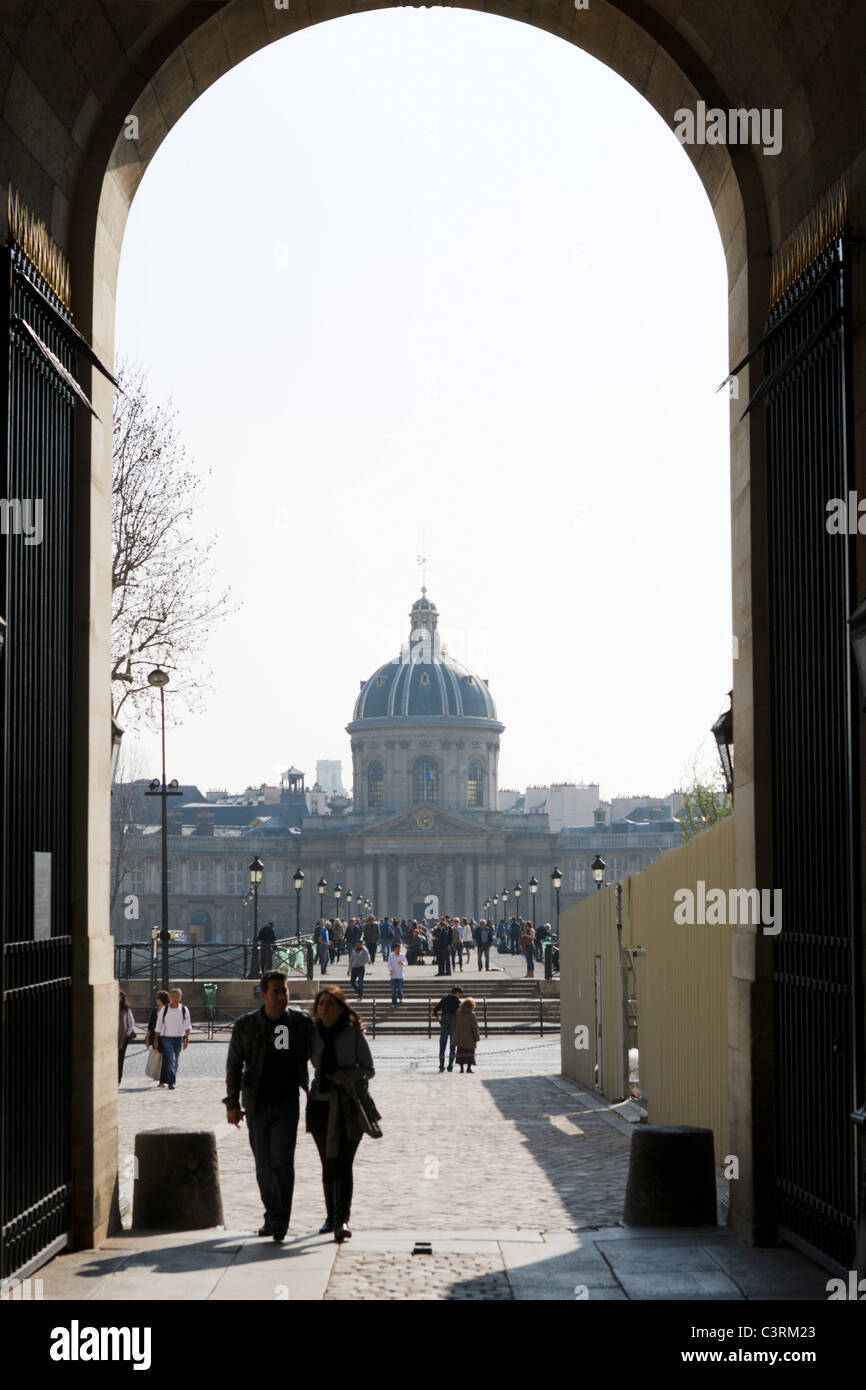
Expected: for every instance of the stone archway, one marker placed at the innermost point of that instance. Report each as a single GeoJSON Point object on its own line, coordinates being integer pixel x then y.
{"type": "Point", "coordinates": [72, 76]}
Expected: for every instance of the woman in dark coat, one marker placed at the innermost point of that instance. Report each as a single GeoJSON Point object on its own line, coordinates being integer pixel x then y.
{"type": "Point", "coordinates": [341, 1056]}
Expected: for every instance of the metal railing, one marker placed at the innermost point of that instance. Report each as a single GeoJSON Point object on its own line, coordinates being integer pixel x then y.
{"type": "Point", "coordinates": [193, 961]}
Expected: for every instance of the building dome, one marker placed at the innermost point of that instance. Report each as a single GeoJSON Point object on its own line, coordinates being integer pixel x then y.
{"type": "Point", "coordinates": [424, 683]}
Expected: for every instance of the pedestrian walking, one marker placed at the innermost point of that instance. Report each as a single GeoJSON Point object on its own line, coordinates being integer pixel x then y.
{"type": "Point", "coordinates": [339, 935]}
{"type": "Point", "coordinates": [172, 1027]}
{"type": "Point", "coordinates": [265, 1070]}
{"type": "Point", "coordinates": [125, 1033]}
{"type": "Point", "coordinates": [527, 941]}
{"type": "Point", "coordinates": [396, 967]}
{"type": "Point", "coordinates": [358, 962]}
{"type": "Point", "coordinates": [483, 938]}
{"type": "Point", "coordinates": [150, 1035]}
{"type": "Point", "coordinates": [339, 1109]}
{"type": "Point", "coordinates": [266, 938]}
{"type": "Point", "coordinates": [446, 1012]}
{"type": "Point", "coordinates": [324, 946]}
{"type": "Point", "coordinates": [456, 945]}
{"type": "Point", "coordinates": [371, 937]}
{"type": "Point", "coordinates": [466, 939]}
{"type": "Point", "coordinates": [514, 936]}
{"type": "Point", "coordinates": [466, 1035]}
{"type": "Point", "coordinates": [385, 938]}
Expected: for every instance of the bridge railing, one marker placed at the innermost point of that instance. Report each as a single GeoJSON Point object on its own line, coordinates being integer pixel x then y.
{"type": "Point", "coordinates": [195, 961]}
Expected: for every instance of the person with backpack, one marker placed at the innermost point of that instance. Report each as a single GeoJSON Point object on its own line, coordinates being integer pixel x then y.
{"type": "Point", "coordinates": [483, 936]}
{"type": "Point", "coordinates": [172, 1030]}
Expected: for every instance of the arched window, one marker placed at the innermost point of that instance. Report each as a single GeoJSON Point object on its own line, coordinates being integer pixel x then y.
{"type": "Point", "coordinates": [425, 780]}
{"type": "Point", "coordinates": [475, 783]}
{"type": "Point", "coordinates": [375, 785]}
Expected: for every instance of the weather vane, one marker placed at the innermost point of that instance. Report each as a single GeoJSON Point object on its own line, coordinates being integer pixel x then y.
{"type": "Point", "coordinates": [422, 561]}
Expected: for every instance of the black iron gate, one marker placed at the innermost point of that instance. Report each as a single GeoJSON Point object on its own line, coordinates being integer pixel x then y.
{"type": "Point", "coordinates": [807, 398]}
{"type": "Point", "coordinates": [35, 890]}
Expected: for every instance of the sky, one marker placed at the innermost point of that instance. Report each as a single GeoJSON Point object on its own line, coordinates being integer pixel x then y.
{"type": "Point", "coordinates": [437, 283]}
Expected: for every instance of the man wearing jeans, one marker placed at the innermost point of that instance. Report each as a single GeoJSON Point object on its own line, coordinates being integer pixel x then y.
{"type": "Point", "coordinates": [267, 1065]}
{"type": "Point", "coordinates": [483, 933]}
{"type": "Point", "coordinates": [396, 966]}
{"type": "Point", "coordinates": [446, 1012]}
{"type": "Point", "coordinates": [172, 1026]}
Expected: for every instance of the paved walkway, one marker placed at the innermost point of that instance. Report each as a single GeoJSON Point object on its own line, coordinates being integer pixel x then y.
{"type": "Point", "coordinates": [514, 1176]}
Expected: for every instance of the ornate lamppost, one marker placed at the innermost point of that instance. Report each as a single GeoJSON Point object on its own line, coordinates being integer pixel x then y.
{"type": "Point", "coordinates": [556, 880]}
{"type": "Point", "coordinates": [321, 889]}
{"type": "Point", "coordinates": [159, 679]}
{"type": "Point", "coordinates": [597, 868]}
{"type": "Point", "coordinates": [533, 888]}
{"type": "Point", "coordinates": [257, 872]}
{"type": "Point", "coordinates": [298, 882]}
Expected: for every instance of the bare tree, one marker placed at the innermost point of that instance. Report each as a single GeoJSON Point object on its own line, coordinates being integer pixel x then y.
{"type": "Point", "coordinates": [162, 579]}
{"type": "Point", "coordinates": [124, 801]}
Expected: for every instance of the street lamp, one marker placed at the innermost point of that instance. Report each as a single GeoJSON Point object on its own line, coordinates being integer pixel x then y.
{"type": "Point", "coordinates": [338, 893]}
{"type": "Point", "coordinates": [321, 888]}
{"type": "Point", "coordinates": [723, 733]}
{"type": "Point", "coordinates": [298, 882]}
{"type": "Point", "coordinates": [556, 880]}
{"type": "Point", "coordinates": [518, 889]}
{"type": "Point", "coordinates": [597, 868]}
{"type": "Point", "coordinates": [349, 896]}
{"type": "Point", "coordinates": [257, 873]}
{"type": "Point", "coordinates": [495, 906]}
{"type": "Point", "coordinates": [533, 888]}
{"type": "Point", "coordinates": [504, 896]}
{"type": "Point", "coordinates": [159, 679]}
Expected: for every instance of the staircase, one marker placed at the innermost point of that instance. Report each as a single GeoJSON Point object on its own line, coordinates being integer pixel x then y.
{"type": "Point", "coordinates": [501, 1005]}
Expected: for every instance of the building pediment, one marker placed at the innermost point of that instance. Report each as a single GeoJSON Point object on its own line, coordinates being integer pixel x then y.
{"type": "Point", "coordinates": [427, 819]}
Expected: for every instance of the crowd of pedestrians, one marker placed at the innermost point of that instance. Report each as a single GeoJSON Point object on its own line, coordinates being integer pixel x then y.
{"type": "Point", "coordinates": [450, 942]}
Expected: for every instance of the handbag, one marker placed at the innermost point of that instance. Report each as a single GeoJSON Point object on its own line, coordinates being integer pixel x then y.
{"type": "Point", "coordinates": [153, 1065]}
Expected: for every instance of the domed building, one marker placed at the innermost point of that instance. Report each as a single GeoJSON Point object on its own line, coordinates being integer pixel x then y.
{"type": "Point", "coordinates": [424, 823]}
{"type": "Point", "coordinates": [424, 730]}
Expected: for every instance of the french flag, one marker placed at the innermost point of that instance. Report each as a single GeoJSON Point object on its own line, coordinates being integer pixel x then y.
{"type": "Point", "coordinates": [431, 774]}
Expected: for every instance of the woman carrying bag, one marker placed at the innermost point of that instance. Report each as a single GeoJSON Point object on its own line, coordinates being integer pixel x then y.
{"type": "Point", "coordinates": [339, 1109]}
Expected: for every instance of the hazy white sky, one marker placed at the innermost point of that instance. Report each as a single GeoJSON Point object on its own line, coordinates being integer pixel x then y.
{"type": "Point", "coordinates": [435, 282]}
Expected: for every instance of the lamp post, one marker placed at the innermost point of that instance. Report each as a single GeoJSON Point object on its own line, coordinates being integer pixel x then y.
{"type": "Point", "coordinates": [723, 733]}
{"type": "Point", "coordinates": [338, 893]}
{"type": "Point", "coordinates": [495, 907]}
{"type": "Point", "coordinates": [298, 882]}
{"type": "Point", "coordinates": [257, 871]}
{"type": "Point", "coordinates": [533, 888]}
{"type": "Point", "coordinates": [349, 896]}
{"type": "Point", "coordinates": [556, 880]}
{"type": "Point", "coordinates": [159, 679]}
{"type": "Point", "coordinates": [504, 896]}
{"type": "Point", "coordinates": [321, 889]}
{"type": "Point", "coordinates": [518, 889]}
{"type": "Point", "coordinates": [597, 868]}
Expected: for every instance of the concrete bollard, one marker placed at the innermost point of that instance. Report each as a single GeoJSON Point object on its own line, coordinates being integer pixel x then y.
{"type": "Point", "coordinates": [177, 1185]}
{"type": "Point", "coordinates": [671, 1177]}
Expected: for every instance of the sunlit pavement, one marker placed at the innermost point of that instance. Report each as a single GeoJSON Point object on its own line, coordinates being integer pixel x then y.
{"type": "Point", "coordinates": [514, 1175]}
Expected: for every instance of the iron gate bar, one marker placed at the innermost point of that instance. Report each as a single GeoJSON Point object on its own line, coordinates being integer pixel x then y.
{"type": "Point", "coordinates": [806, 393]}
{"type": "Point", "coordinates": [35, 786]}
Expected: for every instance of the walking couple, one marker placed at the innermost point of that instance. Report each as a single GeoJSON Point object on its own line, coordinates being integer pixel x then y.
{"type": "Point", "coordinates": [267, 1068]}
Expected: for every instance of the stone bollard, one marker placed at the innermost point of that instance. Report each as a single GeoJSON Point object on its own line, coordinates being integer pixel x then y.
{"type": "Point", "coordinates": [671, 1177]}
{"type": "Point", "coordinates": [177, 1185]}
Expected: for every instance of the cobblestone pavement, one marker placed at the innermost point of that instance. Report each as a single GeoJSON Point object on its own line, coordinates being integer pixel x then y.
{"type": "Point", "coordinates": [504, 1147]}
{"type": "Point", "coordinates": [368, 1275]}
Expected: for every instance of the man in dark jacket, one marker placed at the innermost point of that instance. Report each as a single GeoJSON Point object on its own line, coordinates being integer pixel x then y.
{"type": "Point", "coordinates": [266, 1068]}
{"type": "Point", "coordinates": [266, 939]}
{"type": "Point", "coordinates": [446, 1012]}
